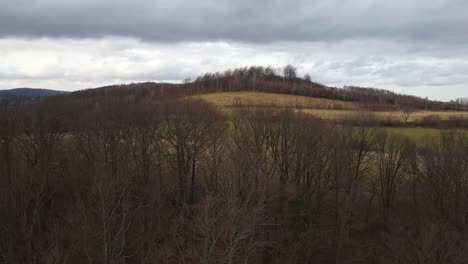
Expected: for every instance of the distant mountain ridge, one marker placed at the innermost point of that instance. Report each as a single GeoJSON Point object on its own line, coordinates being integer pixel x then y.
{"type": "Point", "coordinates": [28, 93]}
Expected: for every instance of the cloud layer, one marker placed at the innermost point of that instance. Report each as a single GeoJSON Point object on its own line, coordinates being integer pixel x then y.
{"type": "Point", "coordinates": [417, 47]}
{"type": "Point", "coordinates": [242, 20]}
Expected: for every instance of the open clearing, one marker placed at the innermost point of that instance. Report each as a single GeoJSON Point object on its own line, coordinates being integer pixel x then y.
{"type": "Point", "coordinates": [322, 108]}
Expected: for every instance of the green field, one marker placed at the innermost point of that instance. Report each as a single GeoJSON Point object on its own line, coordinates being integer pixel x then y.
{"type": "Point", "coordinates": [420, 135]}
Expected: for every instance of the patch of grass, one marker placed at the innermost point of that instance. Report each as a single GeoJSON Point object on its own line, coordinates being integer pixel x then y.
{"type": "Point", "coordinates": [419, 134]}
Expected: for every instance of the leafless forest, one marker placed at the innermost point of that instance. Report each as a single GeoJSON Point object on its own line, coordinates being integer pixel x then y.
{"type": "Point", "coordinates": [141, 174]}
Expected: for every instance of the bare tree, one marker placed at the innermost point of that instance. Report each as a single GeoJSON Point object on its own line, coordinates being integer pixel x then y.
{"type": "Point", "coordinates": [445, 177]}
{"type": "Point", "coordinates": [352, 163]}
{"type": "Point", "coordinates": [407, 109]}
{"type": "Point", "coordinates": [282, 139]}
{"type": "Point", "coordinates": [189, 126]}
{"type": "Point", "coordinates": [40, 146]}
{"type": "Point", "coordinates": [251, 136]}
{"type": "Point", "coordinates": [244, 214]}
{"type": "Point", "coordinates": [107, 147]}
{"type": "Point", "coordinates": [392, 159]}
{"type": "Point", "coordinates": [289, 72]}
{"type": "Point", "coordinates": [211, 229]}
{"type": "Point", "coordinates": [430, 242]}
{"type": "Point", "coordinates": [213, 162]}
{"type": "Point", "coordinates": [12, 202]}
{"type": "Point", "coordinates": [414, 170]}
{"type": "Point", "coordinates": [313, 182]}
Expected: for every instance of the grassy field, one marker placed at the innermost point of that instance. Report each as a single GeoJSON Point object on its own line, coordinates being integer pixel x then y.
{"type": "Point", "coordinates": [394, 115]}
{"type": "Point", "coordinates": [322, 108]}
{"type": "Point", "coordinates": [257, 99]}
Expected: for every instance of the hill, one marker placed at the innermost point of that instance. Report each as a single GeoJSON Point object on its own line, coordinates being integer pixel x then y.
{"type": "Point", "coordinates": [269, 80]}
{"type": "Point", "coordinates": [259, 87]}
{"type": "Point", "coordinates": [28, 93]}
{"type": "Point", "coordinates": [261, 79]}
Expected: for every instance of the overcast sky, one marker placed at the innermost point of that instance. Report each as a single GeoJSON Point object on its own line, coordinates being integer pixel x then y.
{"type": "Point", "coordinates": [417, 47]}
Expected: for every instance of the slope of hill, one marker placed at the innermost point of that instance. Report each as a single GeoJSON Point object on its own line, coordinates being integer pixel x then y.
{"type": "Point", "coordinates": [28, 93]}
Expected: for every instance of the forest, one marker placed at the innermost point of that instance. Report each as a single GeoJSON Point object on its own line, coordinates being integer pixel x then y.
{"type": "Point", "coordinates": [144, 173]}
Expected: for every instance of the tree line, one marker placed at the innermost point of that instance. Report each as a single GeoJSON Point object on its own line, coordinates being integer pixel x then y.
{"type": "Point", "coordinates": [150, 177]}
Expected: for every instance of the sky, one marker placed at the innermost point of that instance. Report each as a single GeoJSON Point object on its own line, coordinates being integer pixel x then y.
{"type": "Point", "coordinates": [416, 47]}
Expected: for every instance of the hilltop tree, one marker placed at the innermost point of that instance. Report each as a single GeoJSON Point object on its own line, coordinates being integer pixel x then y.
{"type": "Point", "coordinates": [289, 72]}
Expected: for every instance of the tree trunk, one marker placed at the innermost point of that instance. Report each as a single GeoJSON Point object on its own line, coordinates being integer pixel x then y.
{"type": "Point", "coordinates": [192, 185]}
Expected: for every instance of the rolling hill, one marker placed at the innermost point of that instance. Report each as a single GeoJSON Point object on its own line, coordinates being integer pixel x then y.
{"type": "Point", "coordinates": [28, 93]}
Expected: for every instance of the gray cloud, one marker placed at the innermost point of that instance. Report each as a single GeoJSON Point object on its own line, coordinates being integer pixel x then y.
{"type": "Point", "coordinates": [438, 21]}
{"type": "Point", "coordinates": [416, 47]}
